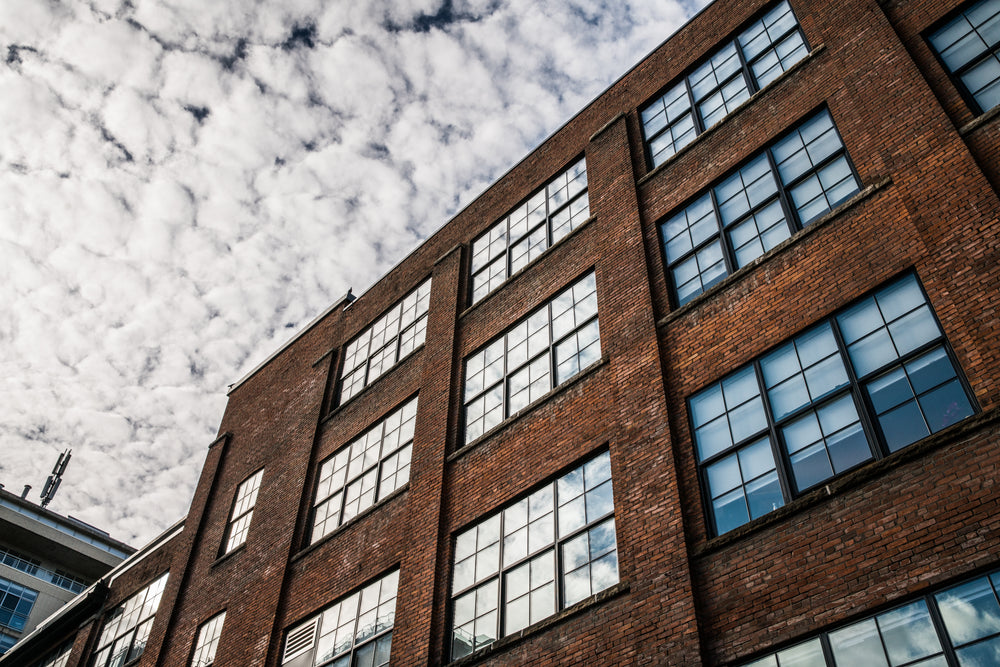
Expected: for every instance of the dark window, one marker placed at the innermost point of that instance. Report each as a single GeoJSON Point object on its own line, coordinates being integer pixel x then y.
{"type": "Point", "coordinates": [243, 504]}
{"type": "Point", "coordinates": [874, 378]}
{"type": "Point", "coordinates": [540, 352]}
{"type": "Point", "coordinates": [6, 642]}
{"type": "Point", "coordinates": [58, 657]}
{"type": "Point", "coordinates": [19, 561]}
{"type": "Point", "coordinates": [725, 80]}
{"type": "Point", "coordinates": [964, 618]}
{"type": "Point", "coordinates": [127, 627]}
{"type": "Point", "coordinates": [16, 602]}
{"type": "Point", "coordinates": [386, 342]}
{"type": "Point", "coordinates": [538, 555]}
{"type": "Point", "coordinates": [354, 631]}
{"type": "Point", "coordinates": [968, 46]}
{"type": "Point", "coordinates": [778, 192]}
{"type": "Point", "coordinates": [526, 232]}
{"type": "Point", "coordinates": [364, 471]}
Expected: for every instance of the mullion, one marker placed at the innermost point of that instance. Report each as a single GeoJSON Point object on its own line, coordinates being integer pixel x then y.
{"type": "Point", "coordinates": [728, 253]}
{"type": "Point", "coordinates": [782, 463]}
{"type": "Point", "coordinates": [699, 126]}
{"type": "Point", "coordinates": [791, 215]}
{"type": "Point", "coordinates": [726, 229]}
{"type": "Point", "coordinates": [552, 364]}
{"type": "Point", "coordinates": [748, 76]}
{"type": "Point", "coordinates": [942, 631]}
{"type": "Point", "coordinates": [861, 400]}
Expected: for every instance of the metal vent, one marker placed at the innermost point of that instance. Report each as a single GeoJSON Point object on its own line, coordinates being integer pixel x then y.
{"type": "Point", "coordinates": [300, 640]}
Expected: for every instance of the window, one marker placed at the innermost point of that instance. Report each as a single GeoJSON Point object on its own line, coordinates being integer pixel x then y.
{"type": "Point", "coordinates": [525, 233]}
{"type": "Point", "coordinates": [355, 631]}
{"type": "Point", "coordinates": [208, 641]}
{"type": "Point", "coordinates": [869, 381]}
{"type": "Point", "coordinates": [364, 471]}
{"type": "Point", "coordinates": [964, 618]}
{"type": "Point", "coordinates": [538, 555]}
{"type": "Point", "coordinates": [724, 81]}
{"type": "Point", "coordinates": [6, 642]}
{"type": "Point", "coordinates": [19, 561]}
{"type": "Point", "coordinates": [57, 658]}
{"type": "Point", "coordinates": [16, 602]}
{"type": "Point", "coordinates": [66, 580]}
{"type": "Point", "coordinates": [382, 345]}
{"type": "Point", "coordinates": [778, 192]}
{"type": "Point", "coordinates": [239, 521]}
{"type": "Point", "coordinates": [969, 47]}
{"type": "Point", "coordinates": [540, 352]}
{"type": "Point", "coordinates": [127, 627]}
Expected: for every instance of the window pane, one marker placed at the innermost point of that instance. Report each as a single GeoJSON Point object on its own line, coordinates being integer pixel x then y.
{"type": "Point", "coordinates": [858, 644]}
{"type": "Point", "coordinates": [969, 611]}
{"type": "Point", "coordinates": [807, 654]}
{"type": "Point", "coordinates": [908, 633]}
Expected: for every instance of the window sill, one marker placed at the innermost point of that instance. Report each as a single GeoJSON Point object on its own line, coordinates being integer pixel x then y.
{"type": "Point", "coordinates": [523, 412]}
{"type": "Point", "coordinates": [330, 415]}
{"type": "Point", "coordinates": [504, 643]}
{"type": "Point", "coordinates": [229, 554]}
{"type": "Point", "coordinates": [735, 112]}
{"type": "Point", "coordinates": [795, 239]}
{"type": "Point", "coordinates": [850, 481]}
{"type": "Point", "coordinates": [524, 269]}
{"type": "Point", "coordinates": [978, 122]}
{"type": "Point", "coordinates": [350, 522]}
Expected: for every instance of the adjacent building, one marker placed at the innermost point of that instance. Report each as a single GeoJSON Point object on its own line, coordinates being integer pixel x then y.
{"type": "Point", "coordinates": [46, 559]}
{"type": "Point", "coordinates": [712, 376]}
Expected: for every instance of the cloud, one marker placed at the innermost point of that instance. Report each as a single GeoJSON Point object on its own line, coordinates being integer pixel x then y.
{"type": "Point", "coordinates": [183, 185]}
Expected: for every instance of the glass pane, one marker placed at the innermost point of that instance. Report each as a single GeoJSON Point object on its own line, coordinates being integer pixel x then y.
{"type": "Point", "coordinates": [889, 390]}
{"type": "Point", "coordinates": [707, 405]}
{"type": "Point", "coordinates": [930, 370]}
{"type": "Point", "coordinates": [969, 611]}
{"type": "Point", "coordinates": [908, 633]}
{"type": "Point", "coordinates": [980, 655]}
{"type": "Point", "coordinates": [902, 426]}
{"type": "Point", "coordinates": [848, 448]}
{"type": "Point", "coordinates": [764, 495]}
{"type": "Point", "coordinates": [518, 615]}
{"type": "Point", "coordinates": [747, 419]}
{"type": "Point", "coordinates": [858, 644]}
{"type": "Point", "coordinates": [807, 654]}
{"type": "Point", "coordinates": [724, 476]}
{"type": "Point", "coordinates": [730, 511]}
{"type": "Point", "coordinates": [811, 466]}
{"type": "Point", "coordinates": [713, 438]}
{"type": "Point", "coordinates": [945, 406]}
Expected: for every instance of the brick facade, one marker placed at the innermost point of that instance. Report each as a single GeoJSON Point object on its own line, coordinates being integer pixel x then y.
{"type": "Point", "coordinates": [883, 533]}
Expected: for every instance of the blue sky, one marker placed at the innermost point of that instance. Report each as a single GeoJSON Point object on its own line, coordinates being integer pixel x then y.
{"type": "Point", "coordinates": [185, 184]}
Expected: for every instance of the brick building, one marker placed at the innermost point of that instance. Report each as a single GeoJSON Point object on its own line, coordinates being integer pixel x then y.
{"type": "Point", "coordinates": [712, 376]}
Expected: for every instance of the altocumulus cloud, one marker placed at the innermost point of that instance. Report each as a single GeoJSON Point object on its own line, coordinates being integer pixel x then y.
{"type": "Point", "coordinates": [184, 184]}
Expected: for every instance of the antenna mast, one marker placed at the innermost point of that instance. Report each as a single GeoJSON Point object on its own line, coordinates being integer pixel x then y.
{"type": "Point", "coordinates": [55, 479]}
